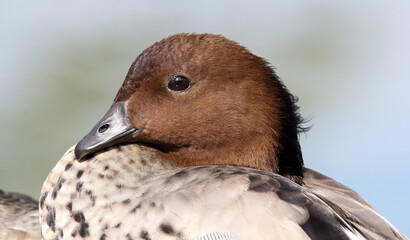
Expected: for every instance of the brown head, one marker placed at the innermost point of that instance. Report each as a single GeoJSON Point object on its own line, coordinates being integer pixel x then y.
{"type": "Point", "coordinates": [202, 99]}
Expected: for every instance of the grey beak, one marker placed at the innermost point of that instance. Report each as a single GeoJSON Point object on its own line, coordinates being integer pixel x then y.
{"type": "Point", "coordinates": [113, 128]}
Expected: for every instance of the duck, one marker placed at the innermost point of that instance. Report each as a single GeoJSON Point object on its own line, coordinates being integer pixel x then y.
{"type": "Point", "coordinates": [19, 217]}
{"type": "Point", "coordinates": [201, 142]}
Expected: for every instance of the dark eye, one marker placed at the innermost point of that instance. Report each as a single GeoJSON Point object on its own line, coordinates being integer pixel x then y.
{"type": "Point", "coordinates": [179, 83]}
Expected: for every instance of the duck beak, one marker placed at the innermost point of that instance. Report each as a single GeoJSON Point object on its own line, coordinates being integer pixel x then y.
{"type": "Point", "coordinates": [112, 129]}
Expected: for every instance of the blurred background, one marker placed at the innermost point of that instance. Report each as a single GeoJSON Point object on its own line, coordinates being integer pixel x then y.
{"type": "Point", "coordinates": [61, 64]}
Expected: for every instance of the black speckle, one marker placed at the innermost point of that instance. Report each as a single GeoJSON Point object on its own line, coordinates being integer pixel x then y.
{"type": "Point", "coordinates": [51, 218]}
{"type": "Point", "coordinates": [74, 233]}
{"type": "Point", "coordinates": [143, 161]}
{"type": "Point", "coordinates": [135, 208]}
{"type": "Point", "coordinates": [54, 194]}
{"type": "Point", "coordinates": [118, 185]}
{"type": "Point", "coordinates": [88, 192]}
{"type": "Point", "coordinates": [103, 236]}
{"type": "Point", "coordinates": [42, 198]}
{"type": "Point", "coordinates": [57, 188]}
{"type": "Point", "coordinates": [126, 201]}
{"type": "Point", "coordinates": [131, 161]}
{"type": "Point", "coordinates": [166, 228]}
{"type": "Point", "coordinates": [92, 197]}
{"type": "Point", "coordinates": [79, 186]}
{"type": "Point", "coordinates": [69, 206]}
{"type": "Point", "coordinates": [106, 168]}
{"type": "Point", "coordinates": [80, 173]}
{"type": "Point", "coordinates": [118, 225]}
{"type": "Point", "coordinates": [105, 227]}
{"type": "Point", "coordinates": [144, 235]}
{"type": "Point", "coordinates": [128, 236]}
{"type": "Point", "coordinates": [79, 217]}
{"type": "Point", "coordinates": [153, 204]}
{"type": "Point", "coordinates": [68, 166]}
{"type": "Point", "coordinates": [100, 175]}
{"type": "Point", "coordinates": [84, 229]}
{"type": "Point", "coordinates": [61, 234]}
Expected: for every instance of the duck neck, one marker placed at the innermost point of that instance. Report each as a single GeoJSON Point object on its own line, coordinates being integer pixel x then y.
{"type": "Point", "coordinates": [260, 151]}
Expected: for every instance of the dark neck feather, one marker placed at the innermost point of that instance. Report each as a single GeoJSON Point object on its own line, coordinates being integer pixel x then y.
{"type": "Point", "coordinates": [289, 156]}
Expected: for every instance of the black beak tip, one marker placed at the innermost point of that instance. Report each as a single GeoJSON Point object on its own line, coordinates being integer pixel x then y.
{"type": "Point", "coordinates": [81, 151]}
{"type": "Point", "coordinates": [78, 152]}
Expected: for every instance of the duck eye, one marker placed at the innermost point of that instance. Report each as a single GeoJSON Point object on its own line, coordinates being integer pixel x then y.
{"type": "Point", "coordinates": [179, 83]}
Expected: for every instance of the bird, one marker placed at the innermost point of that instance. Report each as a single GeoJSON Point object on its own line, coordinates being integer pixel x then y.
{"type": "Point", "coordinates": [201, 142]}
{"type": "Point", "coordinates": [19, 217]}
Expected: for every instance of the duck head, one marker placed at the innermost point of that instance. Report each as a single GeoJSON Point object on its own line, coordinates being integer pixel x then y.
{"type": "Point", "coordinates": [202, 99]}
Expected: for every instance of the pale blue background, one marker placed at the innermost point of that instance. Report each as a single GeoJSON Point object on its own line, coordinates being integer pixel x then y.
{"type": "Point", "coordinates": [62, 63]}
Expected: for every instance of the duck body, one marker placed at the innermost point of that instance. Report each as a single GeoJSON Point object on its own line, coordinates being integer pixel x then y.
{"type": "Point", "coordinates": [200, 143]}
{"type": "Point", "coordinates": [129, 193]}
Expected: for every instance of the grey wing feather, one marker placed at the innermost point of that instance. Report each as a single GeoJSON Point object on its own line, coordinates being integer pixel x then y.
{"type": "Point", "coordinates": [19, 217]}
{"type": "Point", "coordinates": [348, 204]}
